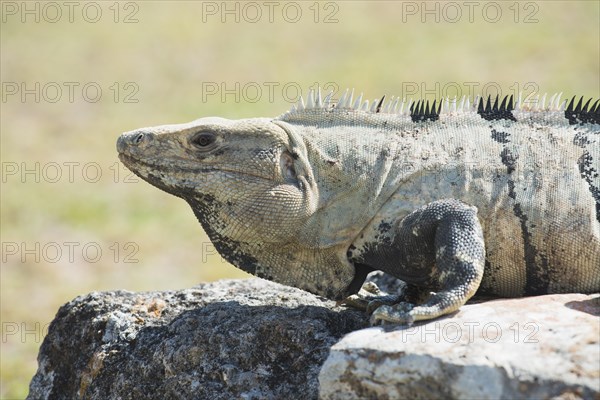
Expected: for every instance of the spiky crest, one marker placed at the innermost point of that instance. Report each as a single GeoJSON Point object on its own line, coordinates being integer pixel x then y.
{"type": "Point", "coordinates": [423, 111]}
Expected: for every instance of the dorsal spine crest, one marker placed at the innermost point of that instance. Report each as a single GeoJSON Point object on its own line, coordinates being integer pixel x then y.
{"type": "Point", "coordinates": [423, 110]}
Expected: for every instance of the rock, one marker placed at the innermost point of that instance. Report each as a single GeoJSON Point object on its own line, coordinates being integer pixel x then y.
{"type": "Point", "coordinates": [252, 339]}
{"type": "Point", "coordinates": [536, 347]}
{"type": "Point", "coordinates": [244, 339]}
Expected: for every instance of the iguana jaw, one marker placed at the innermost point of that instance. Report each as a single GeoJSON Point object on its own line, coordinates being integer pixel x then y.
{"type": "Point", "coordinates": [163, 176]}
{"type": "Point", "coordinates": [181, 181]}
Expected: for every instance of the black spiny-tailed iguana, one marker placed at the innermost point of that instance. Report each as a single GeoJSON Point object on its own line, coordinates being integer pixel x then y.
{"type": "Point", "coordinates": [450, 198]}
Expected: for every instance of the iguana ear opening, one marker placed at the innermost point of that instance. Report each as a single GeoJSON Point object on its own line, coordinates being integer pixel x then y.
{"type": "Point", "coordinates": [286, 162]}
{"type": "Point", "coordinates": [296, 165]}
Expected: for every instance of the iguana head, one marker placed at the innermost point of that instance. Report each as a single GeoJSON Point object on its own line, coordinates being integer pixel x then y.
{"type": "Point", "coordinates": [242, 178]}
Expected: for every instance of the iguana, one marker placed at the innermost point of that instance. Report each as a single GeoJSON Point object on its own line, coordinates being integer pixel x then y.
{"type": "Point", "coordinates": [452, 197]}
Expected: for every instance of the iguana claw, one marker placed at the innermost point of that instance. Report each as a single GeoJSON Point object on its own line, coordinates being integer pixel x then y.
{"type": "Point", "coordinates": [370, 299]}
{"type": "Point", "coordinates": [398, 314]}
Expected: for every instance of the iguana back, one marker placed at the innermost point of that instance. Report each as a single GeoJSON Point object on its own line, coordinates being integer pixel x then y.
{"type": "Point", "coordinates": [532, 173]}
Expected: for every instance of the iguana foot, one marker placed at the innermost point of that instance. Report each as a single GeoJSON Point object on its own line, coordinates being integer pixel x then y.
{"type": "Point", "coordinates": [370, 297]}
{"type": "Point", "coordinates": [436, 305]}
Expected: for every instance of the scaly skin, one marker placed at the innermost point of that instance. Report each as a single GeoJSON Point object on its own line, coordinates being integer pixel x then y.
{"type": "Point", "coordinates": [498, 199]}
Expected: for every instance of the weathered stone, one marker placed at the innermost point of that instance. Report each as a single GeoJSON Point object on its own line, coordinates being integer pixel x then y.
{"type": "Point", "coordinates": [536, 347]}
{"type": "Point", "coordinates": [246, 339]}
{"type": "Point", "coordinates": [253, 339]}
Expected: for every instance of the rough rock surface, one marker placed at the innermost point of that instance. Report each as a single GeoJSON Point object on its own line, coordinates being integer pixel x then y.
{"type": "Point", "coordinates": [253, 339]}
{"type": "Point", "coordinates": [536, 347]}
{"type": "Point", "coordinates": [245, 339]}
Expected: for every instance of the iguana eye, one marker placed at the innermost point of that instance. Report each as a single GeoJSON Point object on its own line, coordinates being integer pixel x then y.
{"type": "Point", "coordinates": [203, 140]}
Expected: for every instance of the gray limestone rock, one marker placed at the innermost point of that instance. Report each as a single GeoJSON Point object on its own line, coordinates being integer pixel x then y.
{"type": "Point", "coordinates": [535, 347]}
{"type": "Point", "coordinates": [245, 339]}
{"type": "Point", "coordinates": [252, 339]}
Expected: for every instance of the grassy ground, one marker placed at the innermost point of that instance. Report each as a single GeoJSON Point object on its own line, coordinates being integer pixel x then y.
{"type": "Point", "coordinates": [74, 221]}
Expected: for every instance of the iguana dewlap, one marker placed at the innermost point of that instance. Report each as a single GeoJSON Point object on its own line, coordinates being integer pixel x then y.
{"type": "Point", "coordinates": [452, 199]}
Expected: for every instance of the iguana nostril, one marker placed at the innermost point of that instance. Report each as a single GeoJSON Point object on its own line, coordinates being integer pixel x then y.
{"type": "Point", "coordinates": [133, 139]}
{"type": "Point", "coordinates": [140, 138]}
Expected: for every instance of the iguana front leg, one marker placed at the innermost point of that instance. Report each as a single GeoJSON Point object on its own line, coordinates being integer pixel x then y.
{"type": "Point", "coordinates": [437, 248]}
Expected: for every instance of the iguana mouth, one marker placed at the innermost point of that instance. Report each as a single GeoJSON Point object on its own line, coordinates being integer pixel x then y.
{"type": "Point", "coordinates": [132, 164]}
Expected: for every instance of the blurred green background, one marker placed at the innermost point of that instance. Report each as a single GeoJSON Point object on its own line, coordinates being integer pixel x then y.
{"type": "Point", "coordinates": [74, 76]}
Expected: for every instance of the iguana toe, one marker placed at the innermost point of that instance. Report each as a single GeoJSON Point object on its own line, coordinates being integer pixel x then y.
{"type": "Point", "coordinates": [370, 297]}
{"type": "Point", "coordinates": [397, 314]}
